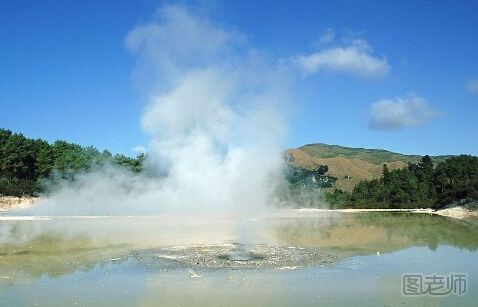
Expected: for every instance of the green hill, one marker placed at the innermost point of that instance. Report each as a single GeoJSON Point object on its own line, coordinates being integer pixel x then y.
{"type": "Point", "coordinates": [375, 156]}
{"type": "Point", "coordinates": [350, 165]}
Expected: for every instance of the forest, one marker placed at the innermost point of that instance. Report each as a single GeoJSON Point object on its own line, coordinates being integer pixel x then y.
{"type": "Point", "coordinates": [422, 185]}
{"type": "Point", "coordinates": [27, 165]}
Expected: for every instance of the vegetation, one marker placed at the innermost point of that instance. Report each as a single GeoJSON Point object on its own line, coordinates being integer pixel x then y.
{"type": "Point", "coordinates": [312, 178]}
{"type": "Point", "coordinates": [303, 186]}
{"type": "Point", "coordinates": [416, 186]}
{"type": "Point", "coordinates": [350, 165]}
{"type": "Point", "coordinates": [26, 163]}
{"type": "Point", "coordinates": [375, 156]}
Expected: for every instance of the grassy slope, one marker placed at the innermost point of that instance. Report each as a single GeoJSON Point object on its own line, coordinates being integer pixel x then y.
{"type": "Point", "coordinates": [350, 165]}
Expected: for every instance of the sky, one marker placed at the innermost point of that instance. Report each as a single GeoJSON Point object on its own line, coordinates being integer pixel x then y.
{"type": "Point", "coordinates": [401, 76]}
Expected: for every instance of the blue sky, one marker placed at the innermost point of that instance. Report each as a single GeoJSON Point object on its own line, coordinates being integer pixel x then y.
{"type": "Point", "coordinates": [400, 76]}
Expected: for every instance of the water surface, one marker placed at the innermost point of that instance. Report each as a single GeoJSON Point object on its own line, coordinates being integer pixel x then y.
{"type": "Point", "coordinates": [328, 258]}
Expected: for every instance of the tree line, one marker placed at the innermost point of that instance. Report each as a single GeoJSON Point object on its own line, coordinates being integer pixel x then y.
{"type": "Point", "coordinates": [419, 185]}
{"type": "Point", "coordinates": [26, 164]}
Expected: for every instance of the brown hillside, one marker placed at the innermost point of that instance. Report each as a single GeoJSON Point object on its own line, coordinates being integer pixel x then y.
{"type": "Point", "coordinates": [349, 171]}
{"type": "Point", "coordinates": [350, 165]}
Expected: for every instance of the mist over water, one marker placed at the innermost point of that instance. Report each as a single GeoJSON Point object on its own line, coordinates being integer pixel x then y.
{"type": "Point", "coordinates": [214, 118]}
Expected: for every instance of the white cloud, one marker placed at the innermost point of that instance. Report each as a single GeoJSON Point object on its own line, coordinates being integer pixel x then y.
{"type": "Point", "coordinates": [327, 36]}
{"type": "Point", "coordinates": [398, 113]}
{"type": "Point", "coordinates": [354, 59]}
{"type": "Point", "coordinates": [472, 86]}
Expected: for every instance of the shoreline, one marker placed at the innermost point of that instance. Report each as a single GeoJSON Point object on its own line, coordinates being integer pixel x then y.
{"type": "Point", "coordinates": [15, 203]}
{"type": "Point", "coordinates": [457, 212]}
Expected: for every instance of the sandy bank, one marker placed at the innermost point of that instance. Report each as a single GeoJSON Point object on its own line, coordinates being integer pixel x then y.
{"type": "Point", "coordinates": [12, 202]}
{"type": "Point", "coordinates": [458, 212]}
{"type": "Point", "coordinates": [455, 212]}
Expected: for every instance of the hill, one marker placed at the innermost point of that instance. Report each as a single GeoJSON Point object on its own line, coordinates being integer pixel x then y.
{"type": "Point", "coordinates": [350, 165]}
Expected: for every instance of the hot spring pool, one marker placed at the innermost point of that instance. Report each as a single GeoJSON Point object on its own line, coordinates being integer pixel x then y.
{"type": "Point", "coordinates": [327, 258]}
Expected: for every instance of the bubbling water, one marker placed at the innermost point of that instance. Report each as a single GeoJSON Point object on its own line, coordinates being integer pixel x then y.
{"type": "Point", "coordinates": [241, 252]}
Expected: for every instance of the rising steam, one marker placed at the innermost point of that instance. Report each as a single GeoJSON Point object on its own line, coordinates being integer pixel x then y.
{"type": "Point", "coordinates": [213, 116]}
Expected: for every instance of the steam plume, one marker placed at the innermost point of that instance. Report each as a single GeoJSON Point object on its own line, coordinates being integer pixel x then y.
{"type": "Point", "coordinates": [214, 121]}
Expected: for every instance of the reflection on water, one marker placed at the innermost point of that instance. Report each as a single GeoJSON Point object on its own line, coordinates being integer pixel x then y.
{"type": "Point", "coordinates": [44, 254]}
{"type": "Point", "coordinates": [370, 232]}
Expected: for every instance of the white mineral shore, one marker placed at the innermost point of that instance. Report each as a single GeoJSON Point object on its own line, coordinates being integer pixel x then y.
{"type": "Point", "coordinates": [458, 212]}
{"type": "Point", "coordinates": [13, 203]}
{"type": "Point", "coordinates": [454, 212]}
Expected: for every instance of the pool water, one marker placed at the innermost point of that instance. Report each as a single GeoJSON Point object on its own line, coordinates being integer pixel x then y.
{"type": "Point", "coordinates": [328, 258]}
